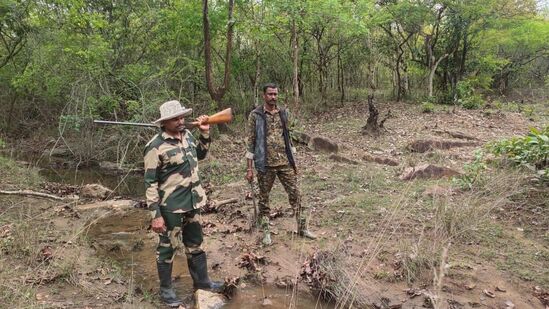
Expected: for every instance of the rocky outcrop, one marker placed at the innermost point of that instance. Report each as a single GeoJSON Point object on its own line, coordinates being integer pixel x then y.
{"type": "Point", "coordinates": [424, 145]}
{"type": "Point", "coordinates": [322, 144]}
{"type": "Point", "coordinates": [342, 159]}
{"type": "Point", "coordinates": [427, 171]}
{"type": "Point", "coordinates": [380, 160]}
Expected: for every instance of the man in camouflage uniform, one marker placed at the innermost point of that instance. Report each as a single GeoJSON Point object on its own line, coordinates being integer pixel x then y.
{"type": "Point", "coordinates": [175, 195]}
{"type": "Point", "coordinates": [270, 149]}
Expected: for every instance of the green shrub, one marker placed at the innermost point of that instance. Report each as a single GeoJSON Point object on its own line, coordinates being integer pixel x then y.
{"type": "Point", "coordinates": [473, 175]}
{"type": "Point", "coordinates": [427, 107]}
{"type": "Point", "coordinates": [531, 150]}
{"type": "Point", "coordinates": [473, 102]}
{"type": "Point", "coordinates": [466, 96]}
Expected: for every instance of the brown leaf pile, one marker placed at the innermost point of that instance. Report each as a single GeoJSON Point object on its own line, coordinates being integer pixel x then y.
{"type": "Point", "coordinates": [314, 275]}
{"type": "Point", "coordinates": [230, 286]}
{"type": "Point", "coordinates": [60, 189]}
{"type": "Point", "coordinates": [542, 295]}
{"type": "Point", "coordinates": [251, 261]}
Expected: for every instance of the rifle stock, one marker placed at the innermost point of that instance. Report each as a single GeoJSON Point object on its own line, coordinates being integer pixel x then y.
{"type": "Point", "coordinates": [224, 116]}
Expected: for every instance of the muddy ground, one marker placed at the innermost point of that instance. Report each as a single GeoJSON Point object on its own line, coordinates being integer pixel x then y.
{"type": "Point", "coordinates": [395, 243]}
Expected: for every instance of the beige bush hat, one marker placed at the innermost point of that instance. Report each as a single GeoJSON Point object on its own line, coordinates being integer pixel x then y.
{"type": "Point", "coordinates": [172, 109]}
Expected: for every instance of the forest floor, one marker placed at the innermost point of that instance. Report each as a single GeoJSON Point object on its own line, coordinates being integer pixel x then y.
{"type": "Point", "coordinates": [481, 242]}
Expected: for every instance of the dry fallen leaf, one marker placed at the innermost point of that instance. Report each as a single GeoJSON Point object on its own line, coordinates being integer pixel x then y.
{"type": "Point", "coordinates": [46, 253]}
{"type": "Point", "coordinates": [5, 230]}
{"type": "Point", "coordinates": [470, 286]}
{"type": "Point", "coordinates": [489, 294]}
{"type": "Point", "coordinates": [41, 296]}
{"type": "Point", "coordinates": [500, 289]}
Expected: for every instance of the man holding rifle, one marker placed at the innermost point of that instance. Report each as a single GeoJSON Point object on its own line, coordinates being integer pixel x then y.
{"type": "Point", "coordinates": [175, 196]}
{"type": "Point", "coordinates": [269, 147]}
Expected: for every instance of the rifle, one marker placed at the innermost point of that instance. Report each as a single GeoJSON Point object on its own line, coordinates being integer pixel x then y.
{"type": "Point", "coordinates": [224, 116]}
{"type": "Point", "coordinates": [253, 222]}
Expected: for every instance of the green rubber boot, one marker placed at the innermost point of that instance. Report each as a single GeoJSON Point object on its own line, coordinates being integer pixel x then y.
{"type": "Point", "coordinates": [264, 224]}
{"type": "Point", "coordinates": [302, 229]}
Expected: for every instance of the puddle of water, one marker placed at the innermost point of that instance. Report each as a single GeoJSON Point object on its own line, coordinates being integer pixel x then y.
{"type": "Point", "coordinates": [124, 238]}
{"type": "Point", "coordinates": [129, 185]}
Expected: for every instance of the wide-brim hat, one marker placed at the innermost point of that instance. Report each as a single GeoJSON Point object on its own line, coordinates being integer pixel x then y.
{"type": "Point", "coordinates": [172, 109]}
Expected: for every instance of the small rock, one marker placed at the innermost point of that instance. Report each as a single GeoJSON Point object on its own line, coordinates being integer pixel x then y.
{"type": "Point", "coordinates": [208, 300]}
{"type": "Point", "coordinates": [266, 302]}
{"type": "Point", "coordinates": [95, 191]}
{"type": "Point", "coordinates": [509, 305]}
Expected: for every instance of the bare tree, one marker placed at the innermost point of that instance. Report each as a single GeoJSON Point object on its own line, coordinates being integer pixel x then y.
{"type": "Point", "coordinates": [217, 93]}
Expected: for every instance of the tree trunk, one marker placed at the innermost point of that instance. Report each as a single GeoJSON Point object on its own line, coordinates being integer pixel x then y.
{"type": "Point", "coordinates": [256, 78]}
{"type": "Point", "coordinates": [371, 67]}
{"type": "Point", "coordinates": [217, 93]}
{"type": "Point", "coordinates": [340, 76]}
{"type": "Point", "coordinates": [10, 112]}
{"type": "Point", "coordinates": [295, 79]}
{"type": "Point", "coordinates": [398, 79]}
{"type": "Point", "coordinates": [432, 72]}
{"type": "Point", "coordinates": [371, 126]}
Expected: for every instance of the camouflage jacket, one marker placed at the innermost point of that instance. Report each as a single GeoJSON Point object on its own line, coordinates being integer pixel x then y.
{"type": "Point", "coordinates": [278, 149]}
{"type": "Point", "coordinates": [171, 173]}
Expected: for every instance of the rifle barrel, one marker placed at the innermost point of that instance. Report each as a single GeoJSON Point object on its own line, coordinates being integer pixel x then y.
{"type": "Point", "coordinates": [126, 123]}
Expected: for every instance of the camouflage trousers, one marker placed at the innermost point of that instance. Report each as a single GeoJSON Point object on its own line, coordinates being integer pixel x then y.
{"type": "Point", "coordinates": [183, 230]}
{"type": "Point", "coordinates": [288, 179]}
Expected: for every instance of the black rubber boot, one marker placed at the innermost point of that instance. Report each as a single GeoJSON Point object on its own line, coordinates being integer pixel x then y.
{"type": "Point", "coordinates": [198, 268]}
{"type": "Point", "coordinates": [167, 293]}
